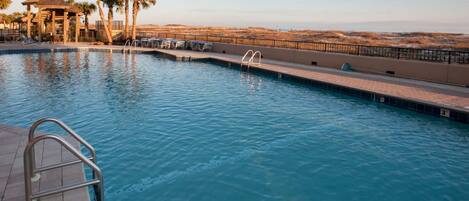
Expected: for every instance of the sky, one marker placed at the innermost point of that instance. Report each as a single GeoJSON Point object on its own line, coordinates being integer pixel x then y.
{"type": "Point", "coordinates": [349, 15]}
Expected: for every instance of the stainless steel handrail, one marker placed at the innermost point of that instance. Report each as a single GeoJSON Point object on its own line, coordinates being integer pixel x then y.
{"type": "Point", "coordinates": [125, 45]}
{"type": "Point", "coordinates": [248, 53]}
{"type": "Point", "coordinates": [251, 55]}
{"type": "Point", "coordinates": [77, 137]}
{"type": "Point", "coordinates": [29, 156]}
{"type": "Point", "coordinates": [134, 43]}
{"type": "Point", "coordinates": [259, 61]}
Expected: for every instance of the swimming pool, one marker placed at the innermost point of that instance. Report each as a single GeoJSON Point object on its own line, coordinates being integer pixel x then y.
{"type": "Point", "coordinates": [167, 130]}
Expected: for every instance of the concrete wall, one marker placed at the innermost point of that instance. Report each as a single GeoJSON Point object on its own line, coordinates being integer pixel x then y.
{"type": "Point", "coordinates": [433, 72]}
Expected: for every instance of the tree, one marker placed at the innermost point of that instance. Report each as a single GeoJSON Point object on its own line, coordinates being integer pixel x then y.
{"type": "Point", "coordinates": [111, 4]}
{"type": "Point", "coordinates": [101, 15]}
{"type": "Point", "coordinates": [15, 18]}
{"type": "Point", "coordinates": [137, 5]}
{"type": "Point", "coordinates": [4, 4]}
{"type": "Point", "coordinates": [126, 23]}
{"type": "Point", "coordinates": [87, 9]}
{"type": "Point", "coordinates": [5, 19]}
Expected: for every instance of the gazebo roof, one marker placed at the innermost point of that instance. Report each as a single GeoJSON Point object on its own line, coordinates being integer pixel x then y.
{"type": "Point", "coordinates": [29, 2]}
{"type": "Point", "coordinates": [53, 4]}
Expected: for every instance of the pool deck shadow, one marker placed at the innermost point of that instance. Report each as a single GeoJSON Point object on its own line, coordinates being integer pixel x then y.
{"type": "Point", "coordinates": [427, 97]}
{"type": "Point", "coordinates": [12, 144]}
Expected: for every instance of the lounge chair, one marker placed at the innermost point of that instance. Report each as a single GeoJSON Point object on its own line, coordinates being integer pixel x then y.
{"type": "Point", "coordinates": [166, 44]}
{"type": "Point", "coordinates": [144, 42]}
{"type": "Point", "coordinates": [179, 44]}
{"type": "Point", "coordinates": [207, 47]}
{"type": "Point", "coordinates": [195, 45]}
{"type": "Point", "coordinates": [152, 42]}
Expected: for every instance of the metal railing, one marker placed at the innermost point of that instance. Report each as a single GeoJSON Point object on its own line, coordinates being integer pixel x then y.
{"type": "Point", "coordinates": [97, 181]}
{"type": "Point", "coordinates": [32, 174]}
{"type": "Point", "coordinates": [127, 42]}
{"type": "Point", "coordinates": [9, 34]}
{"type": "Point", "coordinates": [419, 54]}
{"type": "Point", "coordinates": [252, 56]}
{"type": "Point", "coordinates": [67, 129]}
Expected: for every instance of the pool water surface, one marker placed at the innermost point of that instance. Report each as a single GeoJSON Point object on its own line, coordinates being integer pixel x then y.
{"type": "Point", "coordinates": [167, 130]}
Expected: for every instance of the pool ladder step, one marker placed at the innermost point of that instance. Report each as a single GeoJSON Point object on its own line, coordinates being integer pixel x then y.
{"type": "Point", "coordinates": [251, 54]}
{"type": "Point", "coordinates": [33, 174]}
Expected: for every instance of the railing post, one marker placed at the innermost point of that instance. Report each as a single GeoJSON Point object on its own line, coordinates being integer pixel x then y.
{"type": "Point", "coordinates": [297, 45]}
{"type": "Point", "coordinates": [398, 53]}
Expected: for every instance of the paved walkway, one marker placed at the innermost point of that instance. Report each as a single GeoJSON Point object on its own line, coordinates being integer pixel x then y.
{"type": "Point", "coordinates": [12, 144]}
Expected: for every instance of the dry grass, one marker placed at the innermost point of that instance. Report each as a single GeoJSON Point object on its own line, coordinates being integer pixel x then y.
{"type": "Point", "coordinates": [417, 39]}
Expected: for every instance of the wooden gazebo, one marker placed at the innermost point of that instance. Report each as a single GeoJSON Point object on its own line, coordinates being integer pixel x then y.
{"type": "Point", "coordinates": [52, 19]}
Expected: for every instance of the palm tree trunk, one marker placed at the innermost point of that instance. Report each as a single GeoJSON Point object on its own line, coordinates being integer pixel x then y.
{"type": "Point", "coordinates": [101, 15]}
{"type": "Point", "coordinates": [134, 19]}
{"type": "Point", "coordinates": [110, 17]}
{"type": "Point", "coordinates": [86, 26]}
{"type": "Point", "coordinates": [126, 10]}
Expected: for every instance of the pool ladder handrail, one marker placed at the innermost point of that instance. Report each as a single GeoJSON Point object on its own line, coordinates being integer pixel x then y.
{"type": "Point", "coordinates": [127, 42]}
{"type": "Point", "coordinates": [33, 175]}
{"type": "Point", "coordinates": [252, 55]}
{"type": "Point", "coordinates": [133, 44]}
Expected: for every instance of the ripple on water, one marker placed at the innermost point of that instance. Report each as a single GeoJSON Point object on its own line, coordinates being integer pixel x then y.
{"type": "Point", "coordinates": [197, 131]}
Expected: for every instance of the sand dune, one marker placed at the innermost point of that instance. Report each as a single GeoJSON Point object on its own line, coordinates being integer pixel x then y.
{"type": "Point", "coordinates": [415, 39]}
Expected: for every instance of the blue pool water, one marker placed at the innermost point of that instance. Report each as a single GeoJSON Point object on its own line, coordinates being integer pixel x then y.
{"type": "Point", "coordinates": [167, 130]}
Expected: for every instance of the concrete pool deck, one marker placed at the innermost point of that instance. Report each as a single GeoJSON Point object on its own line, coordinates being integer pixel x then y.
{"type": "Point", "coordinates": [12, 143]}
{"type": "Point", "coordinates": [441, 99]}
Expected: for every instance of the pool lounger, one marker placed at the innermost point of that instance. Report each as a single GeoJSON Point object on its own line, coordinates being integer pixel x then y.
{"type": "Point", "coordinates": [166, 43]}
{"type": "Point", "coordinates": [179, 44]}
{"type": "Point", "coordinates": [154, 42]}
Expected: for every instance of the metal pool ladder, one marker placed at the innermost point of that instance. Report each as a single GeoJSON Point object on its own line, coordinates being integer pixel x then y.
{"type": "Point", "coordinates": [127, 42]}
{"type": "Point", "coordinates": [32, 174]}
{"type": "Point", "coordinates": [252, 58]}
{"type": "Point", "coordinates": [131, 43]}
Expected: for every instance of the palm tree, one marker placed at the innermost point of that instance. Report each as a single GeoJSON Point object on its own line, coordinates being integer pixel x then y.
{"type": "Point", "coordinates": [111, 4]}
{"type": "Point", "coordinates": [137, 5]}
{"type": "Point", "coordinates": [5, 19]}
{"type": "Point", "coordinates": [87, 9]}
{"type": "Point", "coordinates": [101, 15]}
{"type": "Point", "coordinates": [126, 23]}
{"type": "Point", "coordinates": [4, 4]}
{"type": "Point", "coordinates": [15, 18]}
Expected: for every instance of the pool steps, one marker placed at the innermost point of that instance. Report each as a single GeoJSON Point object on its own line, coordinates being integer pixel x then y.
{"type": "Point", "coordinates": [33, 174]}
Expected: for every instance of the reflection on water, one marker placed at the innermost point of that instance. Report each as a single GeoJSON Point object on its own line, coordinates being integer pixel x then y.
{"type": "Point", "coordinates": [52, 74]}
{"type": "Point", "coordinates": [253, 82]}
{"type": "Point", "coordinates": [2, 74]}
